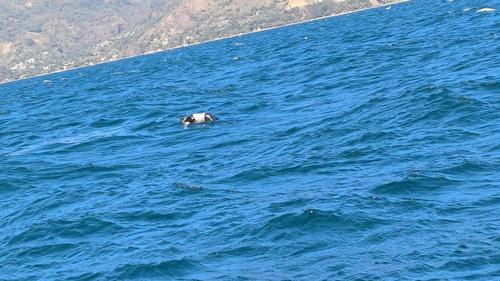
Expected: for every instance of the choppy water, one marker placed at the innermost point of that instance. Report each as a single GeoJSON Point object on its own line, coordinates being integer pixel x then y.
{"type": "Point", "coordinates": [365, 146]}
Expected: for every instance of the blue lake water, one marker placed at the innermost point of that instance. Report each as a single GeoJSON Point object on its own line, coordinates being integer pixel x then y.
{"type": "Point", "coordinates": [364, 147]}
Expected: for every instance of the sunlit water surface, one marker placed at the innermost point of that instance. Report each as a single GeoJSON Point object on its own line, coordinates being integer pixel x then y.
{"type": "Point", "coordinates": [364, 146]}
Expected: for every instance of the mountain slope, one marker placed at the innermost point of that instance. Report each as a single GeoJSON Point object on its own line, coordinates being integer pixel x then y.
{"type": "Point", "coordinates": [42, 36]}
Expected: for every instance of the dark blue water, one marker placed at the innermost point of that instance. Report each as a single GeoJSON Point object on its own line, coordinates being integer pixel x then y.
{"type": "Point", "coordinates": [361, 147]}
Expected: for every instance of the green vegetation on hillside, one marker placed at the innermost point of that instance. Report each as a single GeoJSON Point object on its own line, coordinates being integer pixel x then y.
{"type": "Point", "coordinates": [42, 36]}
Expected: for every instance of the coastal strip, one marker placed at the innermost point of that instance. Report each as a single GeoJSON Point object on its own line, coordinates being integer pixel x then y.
{"type": "Point", "coordinates": [207, 41]}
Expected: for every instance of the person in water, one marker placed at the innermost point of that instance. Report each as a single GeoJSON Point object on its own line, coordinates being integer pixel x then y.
{"type": "Point", "coordinates": [197, 118]}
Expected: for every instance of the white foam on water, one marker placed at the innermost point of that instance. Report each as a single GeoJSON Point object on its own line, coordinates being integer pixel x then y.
{"type": "Point", "coordinates": [484, 10]}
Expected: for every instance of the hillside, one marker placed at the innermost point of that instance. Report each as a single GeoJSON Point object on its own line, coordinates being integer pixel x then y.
{"type": "Point", "coordinates": [43, 36]}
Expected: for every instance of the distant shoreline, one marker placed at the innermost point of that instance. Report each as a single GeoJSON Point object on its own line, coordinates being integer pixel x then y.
{"type": "Point", "coordinates": [208, 41]}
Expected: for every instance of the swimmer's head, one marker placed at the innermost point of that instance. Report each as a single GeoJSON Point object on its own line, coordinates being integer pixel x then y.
{"type": "Point", "coordinates": [186, 120]}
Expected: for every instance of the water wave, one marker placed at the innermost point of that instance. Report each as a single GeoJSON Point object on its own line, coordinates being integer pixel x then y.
{"type": "Point", "coordinates": [362, 147]}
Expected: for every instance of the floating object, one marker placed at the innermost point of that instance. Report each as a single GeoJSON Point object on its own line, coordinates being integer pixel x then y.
{"type": "Point", "coordinates": [187, 187]}
{"type": "Point", "coordinates": [483, 10]}
{"type": "Point", "coordinates": [198, 118]}
{"type": "Point", "coordinates": [388, 8]}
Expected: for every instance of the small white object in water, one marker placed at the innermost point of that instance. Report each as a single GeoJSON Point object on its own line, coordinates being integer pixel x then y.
{"type": "Point", "coordinates": [485, 10]}
{"type": "Point", "coordinates": [236, 58]}
{"type": "Point", "coordinates": [466, 9]}
{"type": "Point", "coordinates": [388, 8]}
{"type": "Point", "coordinates": [197, 118]}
